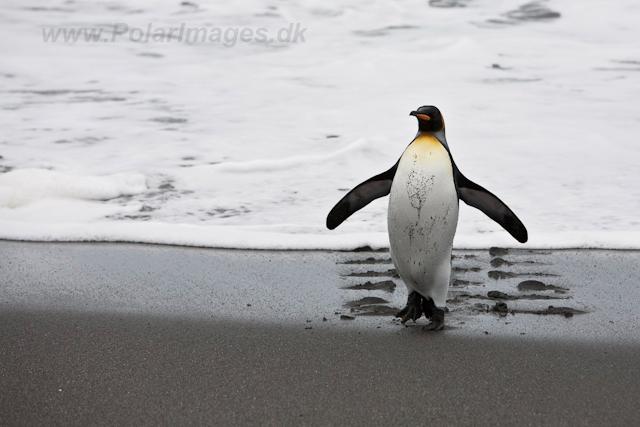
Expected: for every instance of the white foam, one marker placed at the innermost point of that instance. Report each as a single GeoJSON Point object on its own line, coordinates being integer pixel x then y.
{"type": "Point", "coordinates": [23, 186]}
{"type": "Point", "coordinates": [251, 146]}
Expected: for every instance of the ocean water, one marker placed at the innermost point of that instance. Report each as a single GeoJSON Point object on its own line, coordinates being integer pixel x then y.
{"type": "Point", "coordinates": [248, 144]}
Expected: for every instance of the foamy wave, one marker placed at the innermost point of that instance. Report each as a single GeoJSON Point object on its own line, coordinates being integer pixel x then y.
{"type": "Point", "coordinates": [24, 186]}
{"type": "Point", "coordinates": [251, 146]}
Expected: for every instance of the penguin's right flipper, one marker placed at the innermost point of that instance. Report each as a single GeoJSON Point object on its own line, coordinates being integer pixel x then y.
{"type": "Point", "coordinates": [482, 199]}
{"type": "Point", "coordinates": [361, 196]}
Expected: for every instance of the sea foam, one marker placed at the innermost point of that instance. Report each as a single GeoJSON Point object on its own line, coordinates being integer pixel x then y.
{"type": "Point", "coordinates": [250, 146]}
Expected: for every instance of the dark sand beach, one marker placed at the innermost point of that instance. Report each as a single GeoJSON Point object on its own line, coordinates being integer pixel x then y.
{"type": "Point", "coordinates": [124, 334]}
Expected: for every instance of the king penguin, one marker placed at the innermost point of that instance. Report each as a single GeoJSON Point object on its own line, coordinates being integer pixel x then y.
{"type": "Point", "coordinates": [424, 188]}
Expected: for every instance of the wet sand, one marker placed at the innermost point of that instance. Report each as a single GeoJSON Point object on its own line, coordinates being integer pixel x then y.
{"type": "Point", "coordinates": [94, 334]}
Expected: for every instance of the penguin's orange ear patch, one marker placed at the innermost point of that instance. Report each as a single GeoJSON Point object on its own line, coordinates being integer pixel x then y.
{"type": "Point", "coordinates": [423, 117]}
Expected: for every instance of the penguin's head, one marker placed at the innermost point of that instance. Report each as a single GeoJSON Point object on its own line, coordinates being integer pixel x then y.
{"type": "Point", "coordinates": [429, 118]}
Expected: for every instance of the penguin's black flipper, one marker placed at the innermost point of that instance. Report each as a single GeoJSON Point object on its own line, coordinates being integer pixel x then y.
{"type": "Point", "coordinates": [480, 198]}
{"type": "Point", "coordinates": [361, 196]}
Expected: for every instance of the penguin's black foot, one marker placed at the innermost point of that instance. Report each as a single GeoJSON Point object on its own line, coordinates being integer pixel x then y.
{"type": "Point", "coordinates": [413, 309]}
{"type": "Point", "coordinates": [437, 320]}
{"type": "Point", "coordinates": [428, 307]}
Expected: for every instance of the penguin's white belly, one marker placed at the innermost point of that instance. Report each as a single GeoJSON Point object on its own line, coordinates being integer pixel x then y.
{"type": "Point", "coordinates": [422, 218]}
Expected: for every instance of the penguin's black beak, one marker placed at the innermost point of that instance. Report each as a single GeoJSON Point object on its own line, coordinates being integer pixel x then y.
{"type": "Point", "coordinates": [420, 116]}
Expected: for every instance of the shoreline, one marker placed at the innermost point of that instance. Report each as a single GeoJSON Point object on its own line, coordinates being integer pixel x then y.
{"type": "Point", "coordinates": [358, 249]}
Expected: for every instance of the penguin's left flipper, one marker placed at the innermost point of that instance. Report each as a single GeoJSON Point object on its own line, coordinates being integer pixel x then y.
{"type": "Point", "coordinates": [361, 196]}
{"type": "Point", "coordinates": [480, 198]}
